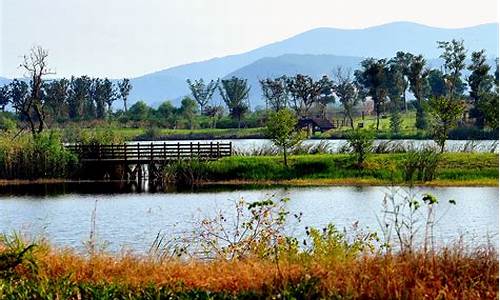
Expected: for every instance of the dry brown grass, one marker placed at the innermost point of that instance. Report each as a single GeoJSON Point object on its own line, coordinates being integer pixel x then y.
{"type": "Point", "coordinates": [449, 274]}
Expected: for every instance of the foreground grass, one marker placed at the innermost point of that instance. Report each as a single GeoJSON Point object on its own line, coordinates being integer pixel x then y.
{"type": "Point", "coordinates": [453, 169]}
{"type": "Point", "coordinates": [448, 274]}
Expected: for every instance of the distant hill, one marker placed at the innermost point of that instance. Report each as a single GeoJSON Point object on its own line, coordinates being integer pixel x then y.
{"type": "Point", "coordinates": [379, 41]}
{"type": "Point", "coordinates": [313, 52]}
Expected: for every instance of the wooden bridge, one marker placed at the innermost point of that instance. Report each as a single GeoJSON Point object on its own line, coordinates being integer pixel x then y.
{"type": "Point", "coordinates": [136, 161]}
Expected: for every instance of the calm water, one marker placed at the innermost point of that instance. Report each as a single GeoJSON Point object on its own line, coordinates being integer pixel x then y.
{"type": "Point", "coordinates": [249, 145]}
{"type": "Point", "coordinates": [132, 220]}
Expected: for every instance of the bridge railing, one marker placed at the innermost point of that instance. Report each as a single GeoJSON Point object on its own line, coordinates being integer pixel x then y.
{"type": "Point", "coordinates": [152, 151]}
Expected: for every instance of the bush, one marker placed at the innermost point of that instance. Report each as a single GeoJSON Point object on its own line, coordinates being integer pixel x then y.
{"type": "Point", "coordinates": [361, 143]}
{"type": "Point", "coordinates": [420, 165]}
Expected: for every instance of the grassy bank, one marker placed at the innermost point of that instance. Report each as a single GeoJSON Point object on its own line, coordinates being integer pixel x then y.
{"type": "Point", "coordinates": [448, 274]}
{"type": "Point", "coordinates": [452, 169]}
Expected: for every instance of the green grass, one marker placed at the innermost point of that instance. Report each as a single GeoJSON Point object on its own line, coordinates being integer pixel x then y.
{"type": "Point", "coordinates": [386, 168]}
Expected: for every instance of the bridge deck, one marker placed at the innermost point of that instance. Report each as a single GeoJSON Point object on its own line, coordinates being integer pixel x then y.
{"type": "Point", "coordinates": [140, 153]}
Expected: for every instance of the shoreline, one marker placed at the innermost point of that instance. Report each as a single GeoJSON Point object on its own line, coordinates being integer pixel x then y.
{"type": "Point", "coordinates": [322, 182]}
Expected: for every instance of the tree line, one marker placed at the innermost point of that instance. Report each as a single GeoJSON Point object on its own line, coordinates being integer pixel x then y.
{"type": "Point", "coordinates": [385, 82]}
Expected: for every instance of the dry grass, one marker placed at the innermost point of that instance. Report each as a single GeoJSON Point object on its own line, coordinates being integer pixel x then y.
{"type": "Point", "coordinates": [449, 274]}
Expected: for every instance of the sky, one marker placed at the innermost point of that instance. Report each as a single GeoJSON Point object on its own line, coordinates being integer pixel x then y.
{"type": "Point", "coordinates": [128, 38]}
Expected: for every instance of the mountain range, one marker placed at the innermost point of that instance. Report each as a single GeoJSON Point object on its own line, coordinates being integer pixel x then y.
{"type": "Point", "coordinates": [315, 52]}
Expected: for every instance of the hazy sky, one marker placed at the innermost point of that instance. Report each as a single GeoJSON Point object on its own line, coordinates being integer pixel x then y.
{"type": "Point", "coordinates": [119, 38]}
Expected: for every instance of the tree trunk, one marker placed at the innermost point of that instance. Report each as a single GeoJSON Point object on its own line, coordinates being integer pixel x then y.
{"type": "Point", "coordinates": [125, 104]}
{"type": "Point", "coordinates": [285, 157]}
{"type": "Point", "coordinates": [352, 122]}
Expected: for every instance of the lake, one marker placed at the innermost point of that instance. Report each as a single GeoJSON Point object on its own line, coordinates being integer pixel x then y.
{"type": "Point", "coordinates": [131, 220]}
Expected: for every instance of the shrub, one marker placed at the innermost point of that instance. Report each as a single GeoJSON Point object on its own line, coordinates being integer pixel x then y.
{"type": "Point", "coordinates": [420, 165]}
{"type": "Point", "coordinates": [361, 143]}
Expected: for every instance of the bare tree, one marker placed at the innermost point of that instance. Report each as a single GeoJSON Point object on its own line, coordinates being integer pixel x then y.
{"type": "Point", "coordinates": [346, 91]}
{"type": "Point", "coordinates": [35, 64]}
{"type": "Point", "coordinates": [202, 92]}
{"type": "Point", "coordinates": [275, 92]}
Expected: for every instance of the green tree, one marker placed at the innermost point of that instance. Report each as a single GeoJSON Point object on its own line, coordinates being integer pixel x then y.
{"type": "Point", "coordinates": [234, 92]}
{"type": "Point", "coordinates": [480, 83]}
{"type": "Point", "coordinates": [326, 94]}
{"type": "Point", "coordinates": [4, 97]}
{"type": "Point", "coordinates": [361, 143]}
{"type": "Point", "coordinates": [275, 92]}
{"type": "Point", "coordinates": [96, 104]}
{"type": "Point", "coordinates": [139, 111]}
{"type": "Point", "coordinates": [489, 108]}
{"type": "Point", "coordinates": [346, 91]}
{"type": "Point", "coordinates": [167, 113]}
{"type": "Point", "coordinates": [436, 84]}
{"type": "Point", "coordinates": [401, 62]}
{"type": "Point", "coordinates": [19, 96]}
{"type": "Point", "coordinates": [372, 78]}
{"type": "Point", "coordinates": [445, 113]}
{"type": "Point", "coordinates": [418, 86]}
{"type": "Point", "coordinates": [454, 55]}
{"type": "Point", "coordinates": [396, 85]}
{"type": "Point", "coordinates": [124, 88]}
{"type": "Point", "coordinates": [56, 92]}
{"type": "Point", "coordinates": [108, 93]}
{"type": "Point", "coordinates": [188, 110]}
{"type": "Point", "coordinates": [202, 92]}
{"type": "Point", "coordinates": [78, 95]}
{"type": "Point", "coordinates": [281, 128]}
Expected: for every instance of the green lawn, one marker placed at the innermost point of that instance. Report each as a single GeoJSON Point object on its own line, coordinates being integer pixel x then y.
{"type": "Point", "coordinates": [454, 168]}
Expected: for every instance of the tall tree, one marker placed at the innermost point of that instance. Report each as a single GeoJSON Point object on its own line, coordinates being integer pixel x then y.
{"type": "Point", "coordinates": [234, 92]}
{"type": "Point", "coordinates": [396, 85]}
{"type": "Point", "coordinates": [109, 94]}
{"type": "Point", "coordinates": [480, 83]}
{"type": "Point", "coordinates": [418, 86]}
{"type": "Point", "coordinates": [401, 62]}
{"type": "Point", "coordinates": [56, 92]}
{"type": "Point", "coordinates": [372, 77]}
{"type": "Point", "coordinates": [124, 88]}
{"type": "Point", "coordinates": [326, 94]}
{"type": "Point", "coordinates": [35, 64]}
{"type": "Point", "coordinates": [275, 92]}
{"type": "Point", "coordinates": [78, 96]}
{"type": "Point", "coordinates": [346, 91]}
{"type": "Point", "coordinates": [4, 97]}
{"type": "Point", "coordinates": [202, 92]}
{"type": "Point", "coordinates": [454, 55]}
{"type": "Point", "coordinates": [96, 104]}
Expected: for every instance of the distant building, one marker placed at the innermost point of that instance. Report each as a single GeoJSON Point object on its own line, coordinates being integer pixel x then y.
{"type": "Point", "coordinates": [314, 124]}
